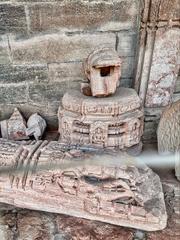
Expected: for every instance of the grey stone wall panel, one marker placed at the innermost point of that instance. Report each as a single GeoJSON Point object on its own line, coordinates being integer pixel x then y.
{"type": "Point", "coordinates": [13, 94]}
{"type": "Point", "coordinates": [83, 15]}
{"type": "Point", "coordinates": [12, 19]}
{"type": "Point", "coordinates": [58, 48]}
{"type": "Point", "coordinates": [23, 73]}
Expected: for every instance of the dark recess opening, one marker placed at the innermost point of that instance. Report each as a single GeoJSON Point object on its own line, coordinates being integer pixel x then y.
{"type": "Point", "coordinates": [105, 71]}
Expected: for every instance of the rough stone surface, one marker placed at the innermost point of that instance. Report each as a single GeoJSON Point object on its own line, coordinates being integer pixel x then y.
{"type": "Point", "coordinates": [164, 68]}
{"type": "Point", "coordinates": [4, 53]}
{"type": "Point", "coordinates": [23, 73]}
{"type": "Point", "coordinates": [127, 43]}
{"type": "Point", "coordinates": [70, 71]}
{"type": "Point", "coordinates": [46, 93]}
{"type": "Point", "coordinates": [15, 127]}
{"type": "Point", "coordinates": [169, 9]}
{"type": "Point", "coordinates": [12, 19]}
{"type": "Point", "coordinates": [177, 166]}
{"type": "Point", "coordinates": [48, 178]}
{"type": "Point", "coordinates": [168, 131]}
{"type": "Point", "coordinates": [13, 94]}
{"type": "Point", "coordinates": [83, 229]}
{"type": "Point", "coordinates": [84, 15]}
{"type": "Point", "coordinates": [58, 47]}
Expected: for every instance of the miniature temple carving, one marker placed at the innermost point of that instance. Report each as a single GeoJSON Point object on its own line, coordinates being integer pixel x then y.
{"type": "Point", "coordinates": [100, 113]}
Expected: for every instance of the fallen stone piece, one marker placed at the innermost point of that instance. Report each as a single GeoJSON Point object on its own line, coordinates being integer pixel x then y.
{"type": "Point", "coordinates": [103, 70]}
{"type": "Point", "coordinates": [15, 127]}
{"type": "Point", "coordinates": [106, 187]}
{"type": "Point", "coordinates": [36, 126]}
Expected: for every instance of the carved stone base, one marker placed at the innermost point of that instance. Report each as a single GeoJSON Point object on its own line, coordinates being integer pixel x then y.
{"type": "Point", "coordinates": [105, 187]}
{"type": "Point", "coordinates": [114, 121]}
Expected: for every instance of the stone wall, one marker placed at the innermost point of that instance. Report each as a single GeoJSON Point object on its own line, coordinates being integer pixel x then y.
{"type": "Point", "coordinates": [158, 65]}
{"type": "Point", "coordinates": [43, 45]}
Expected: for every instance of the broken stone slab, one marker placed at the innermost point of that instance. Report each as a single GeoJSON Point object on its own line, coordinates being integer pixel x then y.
{"type": "Point", "coordinates": [36, 126]}
{"type": "Point", "coordinates": [15, 127]}
{"type": "Point", "coordinates": [106, 187]}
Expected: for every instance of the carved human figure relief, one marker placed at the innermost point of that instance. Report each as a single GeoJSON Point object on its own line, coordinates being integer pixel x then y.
{"type": "Point", "coordinates": [98, 133]}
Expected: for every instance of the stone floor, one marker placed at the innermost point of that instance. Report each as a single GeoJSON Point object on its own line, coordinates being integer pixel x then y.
{"type": "Point", "coordinates": [22, 224]}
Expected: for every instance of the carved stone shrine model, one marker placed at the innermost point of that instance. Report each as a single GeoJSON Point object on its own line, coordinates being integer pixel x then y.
{"type": "Point", "coordinates": [100, 114]}
{"type": "Point", "coordinates": [104, 187]}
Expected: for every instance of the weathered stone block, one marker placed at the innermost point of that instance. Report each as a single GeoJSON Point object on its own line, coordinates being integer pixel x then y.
{"type": "Point", "coordinates": [150, 128]}
{"type": "Point", "coordinates": [59, 47]}
{"type": "Point", "coordinates": [127, 43]}
{"type": "Point", "coordinates": [13, 94]}
{"type": "Point", "coordinates": [44, 93]}
{"type": "Point", "coordinates": [152, 116]}
{"type": "Point", "coordinates": [126, 82]}
{"type": "Point", "coordinates": [4, 54]}
{"type": "Point", "coordinates": [84, 15]}
{"type": "Point", "coordinates": [164, 68]}
{"type": "Point", "coordinates": [169, 9]}
{"type": "Point", "coordinates": [128, 64]}
{"type": "Point", "coordinates": [153, 10]}
{"type": "Point", "coordinates": [177, 85]}
{"type": "Point", "coordinates": [12, 19]}
{"type": "Point", "coordinates": [69, 71]}
{"type": "Point", "coordinates": [22, 73]}
{"type": "Point", "coordinates": [176, 97]}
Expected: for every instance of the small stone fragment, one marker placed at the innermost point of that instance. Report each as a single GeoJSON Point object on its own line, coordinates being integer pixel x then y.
{"type": "Point", "coordinates": [15, 127]}
{"type": "Point", "coordinates": [36, 126]}
{"type": "Point", "coordinates": [103, 70]}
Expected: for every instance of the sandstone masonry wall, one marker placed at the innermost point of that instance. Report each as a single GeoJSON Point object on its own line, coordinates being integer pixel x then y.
{"type": "Point", "coordinates": [158, 65]}
{"type": "Point", "coordinates": [43, 45]}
